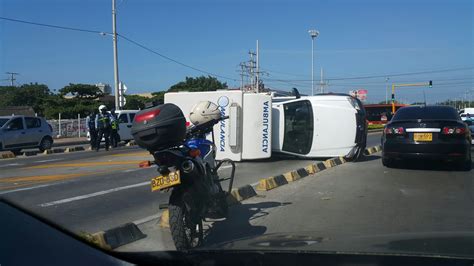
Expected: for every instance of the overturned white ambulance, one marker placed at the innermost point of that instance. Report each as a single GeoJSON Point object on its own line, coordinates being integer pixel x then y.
{"type": "Point", "coordinates": [324, 125]}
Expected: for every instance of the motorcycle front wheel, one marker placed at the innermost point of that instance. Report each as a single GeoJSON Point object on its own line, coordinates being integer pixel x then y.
{"type": "Point", "coordinates": [186, 234]}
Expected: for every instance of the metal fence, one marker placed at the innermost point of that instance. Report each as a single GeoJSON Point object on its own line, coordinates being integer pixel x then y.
{"type": "Point", "coordinates": [68, 128]}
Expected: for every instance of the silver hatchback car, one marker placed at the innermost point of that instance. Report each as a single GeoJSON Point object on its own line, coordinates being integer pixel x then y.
{"type": "Point", "coordinates": [24, 132]}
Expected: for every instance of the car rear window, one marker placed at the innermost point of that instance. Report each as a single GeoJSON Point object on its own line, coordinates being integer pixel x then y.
{"type": "Point", "coordinates": [428, 112]}
{"type": "Point", "coordinates": [32, 122]}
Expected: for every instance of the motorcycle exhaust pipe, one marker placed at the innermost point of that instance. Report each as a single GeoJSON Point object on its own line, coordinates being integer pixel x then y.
{"type": "Point", "coordinates": [187, 166]}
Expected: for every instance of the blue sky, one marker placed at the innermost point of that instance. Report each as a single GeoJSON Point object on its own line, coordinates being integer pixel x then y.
{"type": "Point", "coordinates": [357, 38]}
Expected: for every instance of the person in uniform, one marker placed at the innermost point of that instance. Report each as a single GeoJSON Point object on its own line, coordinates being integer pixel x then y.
{"type": "Point", "coordinates": [103, 124]}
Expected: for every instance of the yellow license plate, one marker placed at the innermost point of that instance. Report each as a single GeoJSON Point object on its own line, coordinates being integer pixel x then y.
{"type": "Point", "coordinates": [423, 137]}
{"type": "Point", "coordinates": [165, 181]}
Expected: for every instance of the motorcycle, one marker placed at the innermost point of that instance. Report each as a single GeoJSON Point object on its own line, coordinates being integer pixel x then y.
{"type": "Point", "coordinates": [189, 170]}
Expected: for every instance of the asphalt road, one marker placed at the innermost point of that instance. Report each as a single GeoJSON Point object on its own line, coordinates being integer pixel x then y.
{"type": "Point", "coordinates": [93, 191]}
{"type": "Point", "coordinates": [351, 200]}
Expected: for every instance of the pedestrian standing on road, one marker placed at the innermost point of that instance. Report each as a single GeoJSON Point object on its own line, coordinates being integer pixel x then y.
{"type": "Point", "coordinates": [90, 124]}
{"type": "Point", "coordinates": [114, 136]}
{"type": "Point", "coordinates": [103, 123]}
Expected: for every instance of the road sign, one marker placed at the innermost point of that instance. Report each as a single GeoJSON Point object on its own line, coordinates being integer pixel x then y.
{"type": "Point", "coordinates": [122, 90]}
{"type": "Point", "coordinates": [359, 94]}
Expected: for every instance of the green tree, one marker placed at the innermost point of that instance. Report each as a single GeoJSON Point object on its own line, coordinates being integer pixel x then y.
{"type": "Point", "coordinates": [32, 94]}
{"type": "Point", "coordinates": [201, 83]}
{"type": "Point", "coordinates": [81, 91]}
{"type": "Point", "coordinates": [135, 102]}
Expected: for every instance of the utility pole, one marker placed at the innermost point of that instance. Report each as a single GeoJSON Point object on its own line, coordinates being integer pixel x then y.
{"type": "Point", "coordinates": [257, 73]}
{"type": "Point", "coordinates": [322, 84]}
{"type": "Point", "coordinates": [386, 90]}
{"type": "Point", "coordinates": [12, 77]}
{"type": "Point", "coordinates": [242, 76]}
{"type": "Point", "coordinates": [252, 69]}
{"type": "Point", "coordinates": [116, 71]}
{"type": "Point", "coordinates": [313, 34]}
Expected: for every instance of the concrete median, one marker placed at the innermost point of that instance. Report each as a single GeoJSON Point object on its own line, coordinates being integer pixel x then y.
{"type": "Point", "coordinates": [115, 237]}
{"type": "Point", "coordinates": [7, 155]}
{"type": "Point", "coordinates": [73, 149]}
{"type": "Point", "coordinates": [30, 153]}
{"type": "Point", "coordinates": [372, 150]}
{"type": "Point", "coordinates": [55, 150]}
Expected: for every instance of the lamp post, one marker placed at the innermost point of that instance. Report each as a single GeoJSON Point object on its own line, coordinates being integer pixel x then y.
{"type": "Point", "coordinates": [313, 34]}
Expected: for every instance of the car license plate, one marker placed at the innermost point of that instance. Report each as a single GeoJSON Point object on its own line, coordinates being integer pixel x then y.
{"type": "Point", "coordinates": [423, 137]}
{"type": "Point", "coordinates": [165, 181]}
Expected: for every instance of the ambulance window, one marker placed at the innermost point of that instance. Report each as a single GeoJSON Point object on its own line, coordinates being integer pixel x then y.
{"type": "Point", "coordinates": [298, 127]}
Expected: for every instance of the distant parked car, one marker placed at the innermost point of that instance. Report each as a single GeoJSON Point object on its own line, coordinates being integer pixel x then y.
{"type": "Point", "coordinates": [24, 132]}
{"type": "Point", "coordinates": [427, 132]}
{"type": "Point", "coordinates": [470, 124]}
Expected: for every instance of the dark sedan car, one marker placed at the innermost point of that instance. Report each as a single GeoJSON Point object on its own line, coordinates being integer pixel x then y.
{"type": "Point", "coordinates": [427, 132]}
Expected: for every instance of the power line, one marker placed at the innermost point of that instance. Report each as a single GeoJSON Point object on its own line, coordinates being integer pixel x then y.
{"type": "Point", "coordinates": [54, 26]}
{"type": "Point", "coordinates": [387, 75]}
{"type": "Point", "coordinates": [284, 73]}
{"type": "Point", "coordinates": [122, 36]}
{"type": "Point", "coordinates": [173, 60]}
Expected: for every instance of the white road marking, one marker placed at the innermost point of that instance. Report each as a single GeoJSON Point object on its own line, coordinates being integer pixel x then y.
{"type": "Point", "coordinates": [95, 194]}
{"type": "Point", "coordinates": [49, 160]}
{"type": "Point", "coordinates": [132, 170]}
{"type": "Point", "coordinates": [225, 167]}
{"type": "Point", "coordinates": [11, 164]}
{"type": "Point", "coordinates": [29, 188]}
{"type": "Point", "coordinates": [148, 218]}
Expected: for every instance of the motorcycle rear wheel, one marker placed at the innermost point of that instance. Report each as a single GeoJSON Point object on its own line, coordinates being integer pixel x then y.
{"type": "Point", "coordinates": [185, 233]}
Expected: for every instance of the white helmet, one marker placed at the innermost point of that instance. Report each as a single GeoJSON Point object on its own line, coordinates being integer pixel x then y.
{"type": "Point", "coordinates": [203, 112]}
{"type": "Point", "coordinates": [102, 107]}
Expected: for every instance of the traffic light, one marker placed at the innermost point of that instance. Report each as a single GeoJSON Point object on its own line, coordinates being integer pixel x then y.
{"type": "Point", "coordinates": [431, 84]}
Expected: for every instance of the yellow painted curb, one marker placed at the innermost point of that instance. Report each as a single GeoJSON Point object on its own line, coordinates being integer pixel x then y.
{"type": "Point", "coordinates": [291, 176]}
{"type": "Point", "coordinates": [242, 193]}
{"type": "Point", "coordinates": [329, 163]}
{"type": "Point", "coordinates": [310, 169]}
{"type": "Point", "coordinates": [7, 155]}
{"type": "Point", "coordinates": [269, 183]}
{"type": "Point", "coordinates": [165, 219]}
{"type": "Point", "coordinates": [343, 160]}
{"type": "Point", "coordinates": [131, 143]}
{"type": "Point", "coordinates": [99, 239]}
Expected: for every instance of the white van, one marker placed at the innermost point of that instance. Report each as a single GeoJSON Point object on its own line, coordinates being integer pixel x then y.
{"type": "Point", "coordinates": [125, 118]}
{"type": "Point", "coordinates": [463, 113]}
{"type": "Point", "coordinates": [323, 125]}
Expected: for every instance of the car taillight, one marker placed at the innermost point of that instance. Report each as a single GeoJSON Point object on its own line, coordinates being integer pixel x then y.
{"type": "Point", "coordinates": [394, 130]}
{"type": "Point", "coordinates": [453, 130]}
{"type": "Point", "coordinates": [147, 115]}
